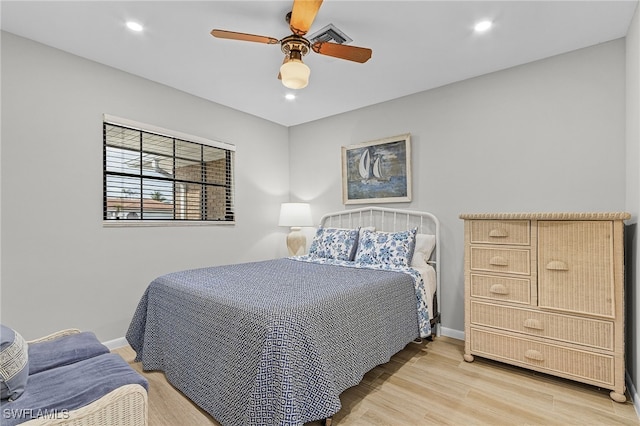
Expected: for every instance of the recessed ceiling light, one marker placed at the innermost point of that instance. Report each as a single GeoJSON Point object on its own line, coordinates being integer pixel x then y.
{"type": "Point", "coordinates": [483, 26]}
{"type": "Point", "coordinates": [134, 26]}
{"type": "Point", "coordinates": [290, 96]}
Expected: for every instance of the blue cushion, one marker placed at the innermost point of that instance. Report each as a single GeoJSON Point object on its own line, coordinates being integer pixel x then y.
{"type": "Point", "coordinates": [60, 390]}
{"type": "Point", "coordinates": [64, 351]}
{"type": "Point", "coordinates": [386, 248]}
{"type": "Point", "coordinates": [331, 243]}
{"type": "Point", "coordinates": [14, 363]}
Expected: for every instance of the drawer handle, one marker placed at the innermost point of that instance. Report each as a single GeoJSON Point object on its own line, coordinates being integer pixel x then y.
{"type": "Point", "coordinates": [498, 233]}
{"type": "Point", "coordinates": [498, 261]}
{"type": "Point", "coordinates": [498, 289]}
{"type": "Point", "coordinates": [533, 323]}
{"type": "Point", "coordinates": [533, 355]}
{"type": "Point", "coordinates": [557, 265]}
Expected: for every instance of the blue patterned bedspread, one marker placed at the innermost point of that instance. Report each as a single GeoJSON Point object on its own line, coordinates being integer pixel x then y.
{"type": "Point", "coordinates": [272, 342]}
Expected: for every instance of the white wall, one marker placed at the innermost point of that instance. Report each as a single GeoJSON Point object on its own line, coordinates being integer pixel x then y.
{"type": "Point", "coordinates": [60, 267]}
{"type": "Point", "coordinates": [546, 136]}
{"type": "Point", "coordinates": [633, 201]}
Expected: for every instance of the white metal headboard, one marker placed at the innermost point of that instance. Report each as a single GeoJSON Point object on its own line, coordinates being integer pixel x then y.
{"type": "Point", "coordinates": [391, 220]}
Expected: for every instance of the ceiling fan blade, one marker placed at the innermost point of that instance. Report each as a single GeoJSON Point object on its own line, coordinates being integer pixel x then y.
{"type": "Point", "coordinates": [302, 15]}
{"type": "Point", "coordinates": [244, 37]}
{"type": "Point", "coordinates": [350, 53]}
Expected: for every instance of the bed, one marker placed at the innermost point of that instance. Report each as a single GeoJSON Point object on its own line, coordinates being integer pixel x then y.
{"type": "Point", "coordinates": [276, 342]}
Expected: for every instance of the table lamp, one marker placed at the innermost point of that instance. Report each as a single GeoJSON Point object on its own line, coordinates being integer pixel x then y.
{"type": "Point", "coordinates": [295, 215]}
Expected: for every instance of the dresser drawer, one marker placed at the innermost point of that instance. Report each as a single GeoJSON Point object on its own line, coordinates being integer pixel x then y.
{"type": "Point", "coordinates": [516, 290]}
{"type": "Point", "coordinates": [585, 366]}
{"type": "Point", "coordinates": [510, 261]}
{"type": "Point", "coordinates": [515, 232]}
{"type": "Point", "coordinates": [563, 328]}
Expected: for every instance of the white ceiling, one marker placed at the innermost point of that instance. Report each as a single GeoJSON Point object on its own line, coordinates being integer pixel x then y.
{"type": "Point", "coordinates": [417, 45]}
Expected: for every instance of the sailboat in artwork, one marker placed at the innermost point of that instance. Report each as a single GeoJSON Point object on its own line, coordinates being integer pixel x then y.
{"type": "Point", "coordinates": [377, 169]}
{"type": "Point", "coordinates": [370, 167]}
{"type": "Point", "coordinates": [364, 167]}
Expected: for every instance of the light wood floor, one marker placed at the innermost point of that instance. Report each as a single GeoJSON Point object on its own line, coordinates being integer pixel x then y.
{"type": "Point", "coordinates": [429, 383]}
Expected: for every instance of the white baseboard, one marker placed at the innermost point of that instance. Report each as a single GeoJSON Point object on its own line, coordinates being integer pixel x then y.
{"type": "Point", "coordinates": [450, 332]}
{"type": "Point", "coordinates": [633, 392]}
{"type": "Point", "coordinates": [116, 343]}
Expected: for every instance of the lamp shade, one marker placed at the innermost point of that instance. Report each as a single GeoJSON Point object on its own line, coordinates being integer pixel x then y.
{"type": "Point", "coordinates": [295, 214]}
{"type": "Point", "coordinates": [295, 74]}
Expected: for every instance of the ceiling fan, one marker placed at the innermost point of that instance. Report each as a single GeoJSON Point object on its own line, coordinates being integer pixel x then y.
{"type": "Point", "coordinates": [293, 72]}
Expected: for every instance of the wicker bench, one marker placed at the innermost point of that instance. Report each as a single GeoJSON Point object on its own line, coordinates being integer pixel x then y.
{"type": "Point", "coordinates": [117, 394]}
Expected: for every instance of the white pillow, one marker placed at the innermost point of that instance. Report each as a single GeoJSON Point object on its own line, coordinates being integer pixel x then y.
{"type": "Point", "coordinates": [425, 243]}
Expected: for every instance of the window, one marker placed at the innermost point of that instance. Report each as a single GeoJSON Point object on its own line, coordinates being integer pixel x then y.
{"type": "Point", "coordinates": [152, 174]}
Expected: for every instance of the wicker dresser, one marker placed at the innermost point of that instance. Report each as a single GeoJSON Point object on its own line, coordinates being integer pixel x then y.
{"type": "Point", "coordinates": [544, 291]}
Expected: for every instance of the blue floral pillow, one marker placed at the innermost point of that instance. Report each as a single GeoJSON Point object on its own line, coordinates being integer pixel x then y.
{"type": "Point", "coordinates": [331, 243]}
{"type": "Point", "coordinates": [14, 364]}
{"type": "Point", "coordinates": [386, 248]}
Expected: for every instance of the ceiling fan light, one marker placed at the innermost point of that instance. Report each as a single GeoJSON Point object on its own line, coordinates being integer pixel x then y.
{"type": "Point", "coordinates": [295, 74]}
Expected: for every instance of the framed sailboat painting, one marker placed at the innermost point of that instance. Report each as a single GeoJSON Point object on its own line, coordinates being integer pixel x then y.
{"type": "Point", "coordinates": [377, 171]}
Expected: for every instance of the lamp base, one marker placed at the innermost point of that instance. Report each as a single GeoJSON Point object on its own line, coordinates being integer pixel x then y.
{"type": "Point", "coordinates": [296, 242]}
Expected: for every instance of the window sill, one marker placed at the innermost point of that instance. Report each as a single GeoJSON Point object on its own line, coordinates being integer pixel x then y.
{"type": "Point", "coordinates": [128, 223]}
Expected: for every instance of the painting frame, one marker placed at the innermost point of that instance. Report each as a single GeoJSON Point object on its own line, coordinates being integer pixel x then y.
{"type": "Point", "coordinates": [377, 171]}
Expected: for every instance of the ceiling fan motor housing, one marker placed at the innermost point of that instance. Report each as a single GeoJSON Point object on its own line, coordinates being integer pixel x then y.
{"type": "Point", "coordinates": [295, 47]}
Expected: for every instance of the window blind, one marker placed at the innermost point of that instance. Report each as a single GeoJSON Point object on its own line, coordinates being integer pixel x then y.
{"type": "Point", "coordinates": [151, 174]}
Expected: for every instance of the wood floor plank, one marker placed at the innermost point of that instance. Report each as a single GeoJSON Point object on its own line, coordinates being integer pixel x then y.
{"type": "Point", "coordinates": [594, 414]}
{"type": "Point", "coordinates": [430, 384]}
